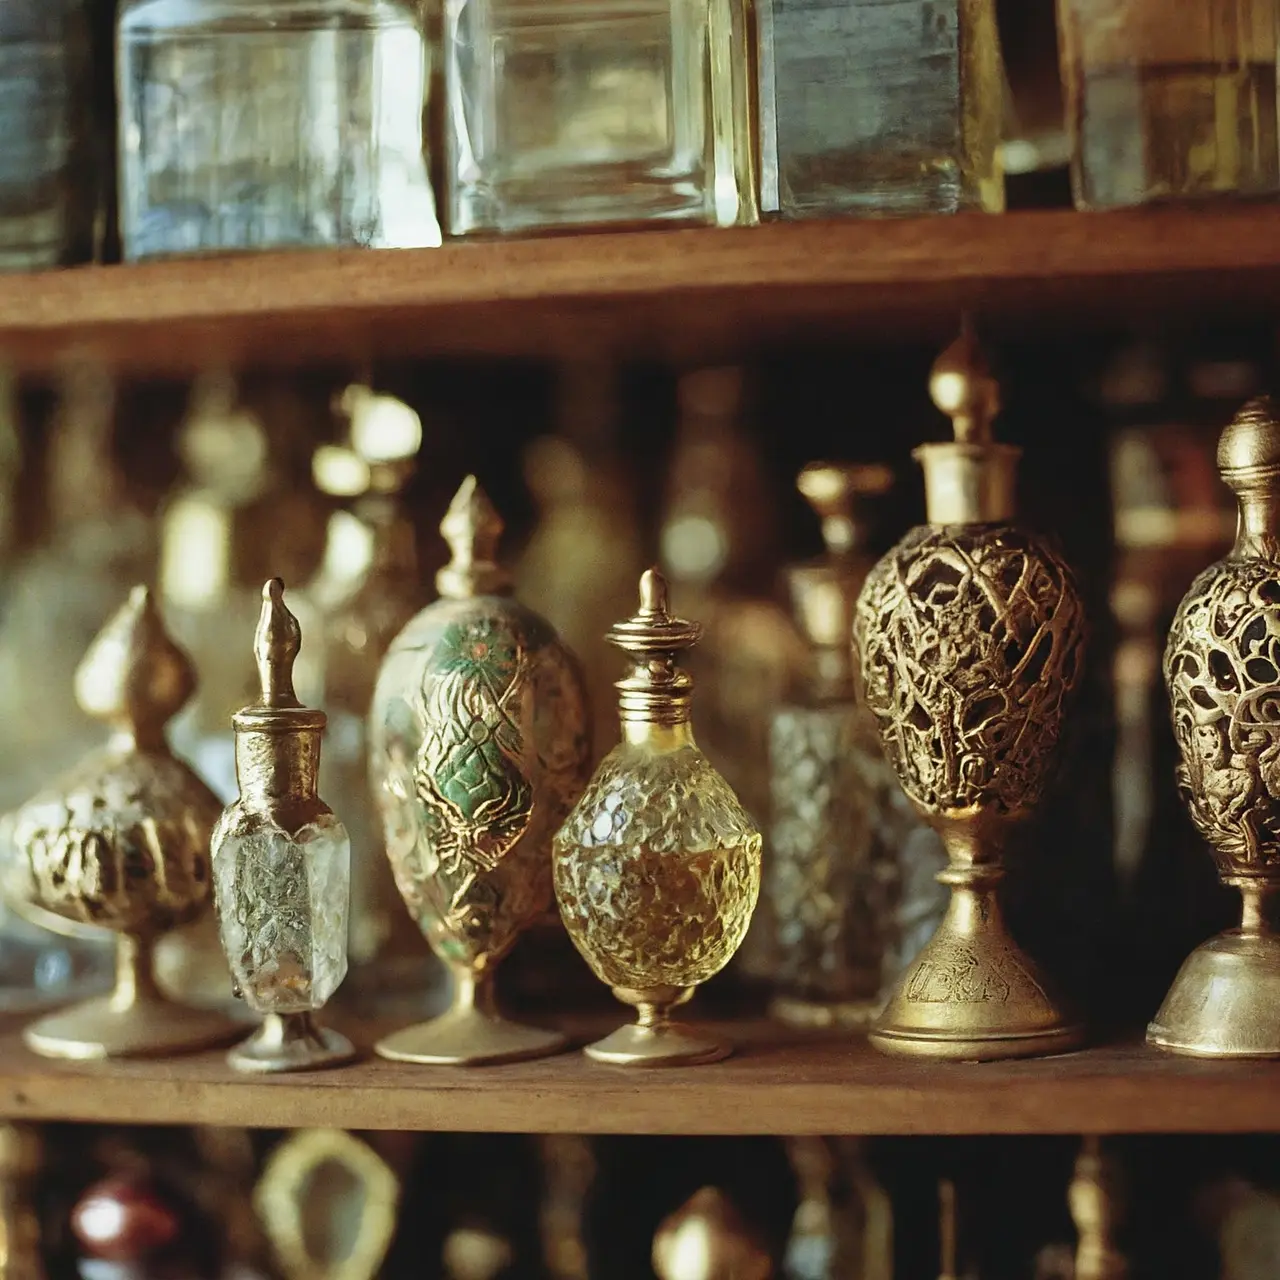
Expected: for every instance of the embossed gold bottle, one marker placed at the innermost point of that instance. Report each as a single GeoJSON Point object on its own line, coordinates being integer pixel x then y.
{"type": "Point", "coordinates": [282, 866]}
{"type": "Point", "coordinates": [657, 869]}
{"type": "Point", "coordinates": [478, 746]}
{"type": "Point", "coordinates": [1222, 669]}
{"type": "Point", "coordinates": [969, 640]}
{"type": "Point", "coordinates": [122, 841]}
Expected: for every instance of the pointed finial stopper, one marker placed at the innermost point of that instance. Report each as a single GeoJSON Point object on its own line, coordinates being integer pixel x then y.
{"type": "Point", "coordinates": [970, 479]}
{"type": "Point", "coordinates": [276, 643]}
{"type": "Point", "coordinates": [706, 1239]}
{"type": "Point", "coordinates": [655, 691]}
{"type": "Point", "coordinates": [472, 528]}
{"type": "Point", "coordinates": [833, 489]}
{"type": "Point", "coordinates": [133, 676]}
{"type": "Point", "coordinates": [963, 387]}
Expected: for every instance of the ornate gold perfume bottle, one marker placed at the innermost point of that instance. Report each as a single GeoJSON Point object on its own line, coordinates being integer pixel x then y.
{"type": "Point", "coordinates": [282, 866]}
{"type": "Point", "coordinates": [478, 746]}
{"type": "Point", "coordinates": [1222, 668]}
{"type": "Point", "coordinates": [122, 841]}
{"type": "Point", "coordinates": [849, 873]}
{"type": "Point", "coordinates": [970, 640]}
{"type": "Point", "coordinates": [657, 869]}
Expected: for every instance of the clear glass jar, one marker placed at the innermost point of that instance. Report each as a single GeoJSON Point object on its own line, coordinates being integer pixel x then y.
{"type": "Point", "coordinates": [1170, 99]}
{"type": "Point", "coordinates": [47, 181]}
{"type": "Point", "coordinates": [562, 112]}
{"type": "Point", "coordinates": [879, 107]}
{"type": "Point", "coordinates": [261, 124]}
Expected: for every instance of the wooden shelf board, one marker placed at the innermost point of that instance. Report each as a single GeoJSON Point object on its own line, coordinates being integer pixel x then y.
{"type": "Point", "coordinates": [777, 1083]}
{"type": "Point", "coordinates": [684, 294]}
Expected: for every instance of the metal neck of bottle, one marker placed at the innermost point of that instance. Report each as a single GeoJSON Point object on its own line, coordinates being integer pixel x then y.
{"type": "Point", "coordinates": [969, 483]}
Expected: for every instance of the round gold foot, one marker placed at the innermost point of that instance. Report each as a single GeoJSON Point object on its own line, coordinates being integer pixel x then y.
{"type": "Point", "coordinates": [666, 1044]}
{"type": "Point", "coordinates": [944, 1047]}
{"type": "Point", "coordinates": [1225, 1001]}
{"type": "Point", "coordinates": [149, 1028]}
{"type": "Point", "coordinates": [469, 1037]}
{"type": "Point", "coordinates": [291, 1042]}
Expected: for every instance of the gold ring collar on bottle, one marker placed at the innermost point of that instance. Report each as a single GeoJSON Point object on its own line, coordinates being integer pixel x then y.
{"type": "Point", "coordinates": [656, 690]}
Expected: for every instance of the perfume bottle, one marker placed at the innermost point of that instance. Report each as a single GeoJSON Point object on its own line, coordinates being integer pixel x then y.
{"type": "Point", "coordinates": [879, 107]}
{"type": "Point", "coordinates": [122, 841]}
{"type": "Point", "coordinates": [657, 869]}
{"type": "Point", "coordinates": [849, 878]}
{"type": "Point", "coordinates": [478, 744]}
{"type": "Point", "coordinates": [706, 1239]}
{"type": "Point", "coordinates": [48, 184]}
{"type": "Point", "coordinates": [970, 640]}
{"type": "Point", "coordinates": [562, 113]}
{"type": "Point", "coordinates": [272, 124]}
{"type": "Point", "coordinates": [1169, 101]}
{"type": "Point", "coordinates": [282, 866]}
{"type": "Point", "coordinates": [366, 590]}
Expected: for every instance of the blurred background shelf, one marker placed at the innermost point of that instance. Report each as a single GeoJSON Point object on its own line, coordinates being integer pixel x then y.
{"type": "Point", "coordinates": [778, 1083]}
{"type": "Point", "coordinates": [687, 295]}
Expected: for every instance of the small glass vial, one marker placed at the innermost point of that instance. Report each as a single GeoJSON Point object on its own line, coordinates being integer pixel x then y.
{"type": "Point", "coordinates": [849, 887]}
{"type": "Point", "coordinates": [272, 124]}
{"type": "Point", "coordinates": [282, 866]}
{"type": "Point", "coordinates": [565, 112]}
{"type": "Point", "coordinates": [1170, 101]}
{"type": "Point", "coordinates": [879, 107]}
{"type": "Point", "coordinates": [47, 179]}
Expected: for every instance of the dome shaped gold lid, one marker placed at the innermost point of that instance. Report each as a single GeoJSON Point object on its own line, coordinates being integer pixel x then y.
{"type": "Point", "coordinates": [971, 479]}
{"type": "Point", "coordinates": [1249, 447]}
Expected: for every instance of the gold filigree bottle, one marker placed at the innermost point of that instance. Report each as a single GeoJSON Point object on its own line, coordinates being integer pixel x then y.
{"type": "Point", "coordinates": [969, 641]}
{"type": "Point", "coordinates": [122, 841]}
{"type": "Point", "coordinates": [1222, 668]}
{"type": "Point", "coordinates": [657, 869]}
{"type": "Point", "coordinates": [478, 745]}
{"type": "Point", "coordinates": [282, 866]}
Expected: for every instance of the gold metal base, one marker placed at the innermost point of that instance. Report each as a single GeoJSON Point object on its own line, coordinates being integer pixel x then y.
{"type": "Point", "coordinates": [472, 1033]}
{"type": "Point", "coordinates": [653, 1040]}
{"type": "Point", "coordinates": [972, 994]}
{"type": "Point", "coordinates": [151, 1028]}
{"type": "Point", "coordinates": [849, 1015]}
{"type": "Point", "coordinates": [134, 1021]}
{"type": "Point", "coordinates": [1225, 1001]}
{"type": "Point", "coordinates": [291, 1042]}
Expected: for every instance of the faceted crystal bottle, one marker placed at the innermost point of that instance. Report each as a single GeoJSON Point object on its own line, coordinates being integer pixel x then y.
{"type": "Point", "coordinates": [272, 124]}
{"type": "Point", "coordinates": [657, 869]}
{"type": "Point", "coordinates": [1170, 99]}
{"type": "Point", "coordinates": [282, 866]}
{"type": "Point", "coordinates": [879, 107]}
{"type": "Point", "coordinates": [567, 112]}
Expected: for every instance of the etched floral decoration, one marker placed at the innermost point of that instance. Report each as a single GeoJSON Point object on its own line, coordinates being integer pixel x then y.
{"type": "Point", "coordinates": [657, 869]}
{"type": "Point", "coordinates": [479, 746]}
{"type": "Point", "coordinates": [1222, 669]}
{"type": "Point", "coordinates": [282, 866]}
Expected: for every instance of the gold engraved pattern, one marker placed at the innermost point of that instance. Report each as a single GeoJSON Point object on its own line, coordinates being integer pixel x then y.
{"type": "Point", "coordinates": [970, 640]}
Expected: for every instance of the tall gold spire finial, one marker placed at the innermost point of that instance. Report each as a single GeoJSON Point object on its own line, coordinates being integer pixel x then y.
{"type": "Point", "coordinates": [276, 643]}
{"type": "Point", "coordinates": [134, 676]}
{"type": "Point", "coordinates": [656, 690]}
{"type": "Point", "coordinates": [963, 387]}
{"type": "Point", "coordinates": [472, 527]}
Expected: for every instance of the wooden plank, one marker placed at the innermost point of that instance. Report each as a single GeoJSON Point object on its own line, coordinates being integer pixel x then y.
{"type": "Point", "coordinates": [690, 293]}
{"type": "Point", "coordinates": [778, 1083]}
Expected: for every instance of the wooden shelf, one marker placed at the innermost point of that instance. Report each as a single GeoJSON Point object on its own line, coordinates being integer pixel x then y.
{"type": "Point", "coordinates": [688, 294]}
{"type": "Point", "coordinates": [778, 1083]}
